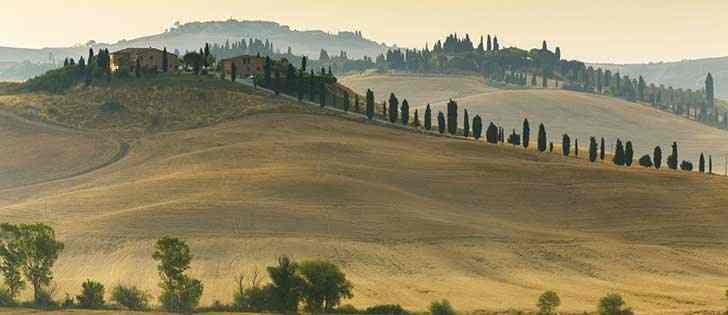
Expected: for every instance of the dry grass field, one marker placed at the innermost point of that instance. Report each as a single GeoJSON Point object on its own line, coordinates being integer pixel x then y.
{"type": "Point", "coordinates": [410, 218]}
{"type": "Point", "coordinates": [580, 115]}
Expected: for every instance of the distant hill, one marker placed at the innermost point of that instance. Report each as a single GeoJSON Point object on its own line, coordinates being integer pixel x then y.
{"type": "Point", "coordinates": [686, 74]}
{"type": "Point", "coordinates": [193, 35]}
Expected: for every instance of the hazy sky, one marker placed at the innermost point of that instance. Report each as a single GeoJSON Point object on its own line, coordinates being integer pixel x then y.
{"type": "Point", "coordinates": [590, 30]}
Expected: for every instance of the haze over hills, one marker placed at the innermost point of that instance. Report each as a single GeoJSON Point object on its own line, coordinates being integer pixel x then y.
{"type": "Point", "coordinates": [686, 74]}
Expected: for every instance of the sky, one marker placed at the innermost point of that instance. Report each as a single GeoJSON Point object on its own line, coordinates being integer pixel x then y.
{"type": "Point", "coordinates": [589, 30]}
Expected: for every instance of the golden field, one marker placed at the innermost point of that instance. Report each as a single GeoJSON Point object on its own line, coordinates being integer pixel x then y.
{"type": "Point", "coordinates": [410, 218]}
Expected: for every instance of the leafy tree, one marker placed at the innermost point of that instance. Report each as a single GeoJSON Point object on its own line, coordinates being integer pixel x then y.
{"type": "Point", "coordinates": [628, 154]}
{"type": "Point", "coordinates": [566, 145]}
{"type": "Point", "coordinates": [452, 117]}
{"type": "Point", "coordinates": [405, 112]}
{"type": "Point", "coordinates": [701, 163]}
{"type": "Point", "coordinates": [592, 149]}
{"type": "Point", "coordinates": [393, 108]}
{"type": "Point", "coordinates": [370, 104]}
{"type": "Point", "coordinates": [526, 133]}
{"type": "Point", "coordinates": [602, 152]}
{"type": "Point", "coordinates": [672, 160]}
{"type": "Point", "coordinates": [441, 308]}
{"type": "Point", "coordinates": [466, 124]}
{"type": "Point", "coordinates": [324, 286]}
{"type": "Point", "coordinates": [646, 161]}
{"type": "Point", "coordinates": [31, 249]}
{"type": "Point", "coordinates": [548, 303]}
{"type": "Point", "coordinates": [286, 285]}
{"type": "Point", "coordinates": [428, 118]}
{"type": "Point", "coordinates": [441, 123]}
{"type": "Point", "coordinates": [130, 297]}
{"type": "Point", "coordinates": [491, 135]}
{"type": "Point", "coordinates": [542, 138]}
{"type": "Point", "coordinates": [619, 155]}
{"type": "Point", "coordinates": [613, 304]}
{"type": "Point", "coordinates": [92, 295]}
{"type": "Point", "coordinates": [657, 157]}
{"type": "Point", "coordinates": [180, 293]}
{"type": "Point", "coordinates": [477, 127]}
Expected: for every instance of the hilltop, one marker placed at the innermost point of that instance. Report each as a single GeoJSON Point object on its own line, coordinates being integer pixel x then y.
{"type": "Point", "coordinates": [410, 218]}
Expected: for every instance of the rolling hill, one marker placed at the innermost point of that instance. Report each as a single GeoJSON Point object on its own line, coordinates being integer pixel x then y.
{"type": "Point", "coordinates": [410, 218]}
{"type": "Point", "coordinates": [580, 115]}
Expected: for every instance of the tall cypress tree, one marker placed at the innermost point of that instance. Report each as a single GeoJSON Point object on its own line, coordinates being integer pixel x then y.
{"type": "Point", "coordinates": [452, 117]}
{"type": "Point", "coordinates": [701, 163]}
{"type": "Point", "coordinates": [233, 72]}
{"type": "Point", "coordinates": [301, 86]}
{"type": "Point", "coordinates": [138, 69]}
{"type": "Point", "coordinates": [566, 145]}
{"type": "Point", "coordinates": [542, 138]}
{"type": "Point", "coordinates": [710, 164]}
{"type": "Point", "coordinates": [417, 119]}
{"type": "Point", "coordinates": [466, 124]}
{"type": "Point", "coordinates": [491, 135]}
{"type": "Point", "coordinates": [477, 127]}
{"type": "Point", "coordinates": [405, 112]}
{"type": "Point", "coordinates": [628, 154]}
{"type": "Point", "coordinates": [356, 103]}
{"type": "Point", "coordinates": [268, 72]}
{"type": "Point", "coordinates": [312, 86]}
{"type": "Point", "coordinates": [277, 83]}
{"type": "Point", "coordinates": [602, 151]}
{"type": "Point", "coordinates": [428, 118]}
{"type": "Point", "coordinates": [657, 157]}
{"type": "Point", "coordinates": [441, 123]}
{"type": "Point", "coordinates": [672, 160]}
{"type": "Point", "coordinates": [526, 133]}
{"type": "Point", "coordinates": [347, 101]}
{"type": "Point", "coordinates": [593, 149]}
{"type": "Point", "coordinates": [618, 158]}
{"type": "Point", "coordinates": [165, 60]}
{"type": "Point", "coordinates": [370, 104]}
{"type": "Point", "coordinates": [393, 108]}
{"type": "Point", "coordinates": [710, 92]}
{"type": "Point", "coordinates": [576, 147]}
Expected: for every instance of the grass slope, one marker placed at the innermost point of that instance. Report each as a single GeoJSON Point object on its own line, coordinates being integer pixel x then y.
{"type": "Point", "coordinates": [409, 218]}
{"type": "Point", "coordinates": [580, 115]}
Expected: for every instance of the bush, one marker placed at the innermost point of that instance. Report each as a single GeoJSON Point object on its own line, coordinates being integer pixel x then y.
{"type": "Point", "coordinates": [346, 309]}
{"type": "Point", "coordinates": [388, 309]}
{"type": "Point", "coordinates": [441, 308]}
{"type": "Point", "coordinates": [548, 303]}
{"type": "Point", "coordinates": [92, 295]}
{"type": "Point", "coordinates": [130, 297]}
{"type": "Point", "coordinates": [613, 304]}
{"type": "Point", "coordinates": [686, 166]}
{"type": "Point", "coordinates": [68, 302]}
{"type": "Point", "coordinates": [254, 299]}
{"type": "Point", "coordinates": [6, 298]}
{"type": "Point", "coordinates": [646, 161]}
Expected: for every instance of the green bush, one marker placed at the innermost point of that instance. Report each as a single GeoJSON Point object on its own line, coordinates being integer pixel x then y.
{"type": "Point", "coordinates": [646, 161]}
{"type": "Point", "coordinates": [254, 299]}
{"type": "Point", "coordinates": [131, 298]}
{"type": "Point", "coordinates": [613, 304]}
{"type": "Point", "coordinates": [548, 303]}
{"type": "Point", "coordinates": [387, 309]}
{"type": "Point", "coordinates": [56, 81]}
{"type": "Point", "coordinates": [441, 308]}
{"type": "Point", "coordinates": [92, 295]}
{"type": "Point", "coordinates": [6, 298]}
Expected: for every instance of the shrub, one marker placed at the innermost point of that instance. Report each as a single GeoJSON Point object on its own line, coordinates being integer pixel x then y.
{"type": "Point", "coordinates": [387, 309]}
{"type": "Point", "coordinates": [254, 299]}
{"type": "Point", "coordinates": [613, 304]}
{"type": "Point", "coordinates": [686, 166]}
{"type": "Point", "coordinates": [130, 297]}
{"type": "Point", "coordinates": [441, 308]}
{"type": "Point", "coordinates": [92, 295]}
{"type": "Point", "coordinates": [646, 161]}
{"type": "Point", "coordinates": [548, 303]}
{"type": "Point", "coordinates": [68, 302]}
{"type": "Point", "coordinates": [6, 298]}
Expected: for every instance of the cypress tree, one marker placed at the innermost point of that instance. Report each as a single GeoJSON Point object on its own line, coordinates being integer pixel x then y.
{"type": "Point", "coordinates": [452, 117]}
{"type": "Point", "coordinates": [576, 147]}
{"type": "Point", "coordinates": [370, 104]}
{"type": "Point", "coordinates": [311, 86]}
{"type": "Point", "coordinates": [551, 147]}
{"type": "Point", "coordinates": [628, 154]}
{"type": "Point", "coordinates": [137, 69]}
{"type": "Point", "coordinates": [466, 124]}
{"type": "Point", "coordinates": [477, 127]}
{"type": "Point", "coordinates": [710, 164]}
{"type": "Point", "coordinates": [441, 124]}
{"type": "Point", "coordinates": [602, 152]}
{"type": "Point", "coordinates": [393, 108]}
{"type": "Point", "coordinates": [701, 163]}
{"type": "Point", "coordinates": [657, 156]}
{"type": "Point", "coordinates": [165, 60]}
{"type": "Point", "coordinates": [417, 119]}
{"type": "Point", "coordinates": [672, 160]}
{"type": "Point", "coordinates": [267, 72]}
{"type": "Point", "coordinates": [491, 135]}
{"type": "Point", "coordinates": [322, 93]}
{"type": "Point", "coordinates": [618, 158]}
{"type": "Point", "coordinates": [593, 149]}
{"type": "Point", "coordinates": [709, 91]}
{"type": "Point", "coordinates": [277, 83]}
{"type": "Point", "coordinates": [356, 103]}
{"type": "Point", "coordinates": [301, 86]}
{"type": "Point", "coordinates": [233, 71]}
{"type": "Point", "coordinates": [385, 114]}
{"type": "Point", "coordinates": [405, 112]}
{"type": "Point", "coordinates": [526, 133]}
{"type": "Point", "coordinates": [428, 118]}
{"type": "Point", "coordinates": [347, 101]}
{"type": "Point", "coordinates": [566, 145]}
{"type": "Point", "coordinates": [542, 138]}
